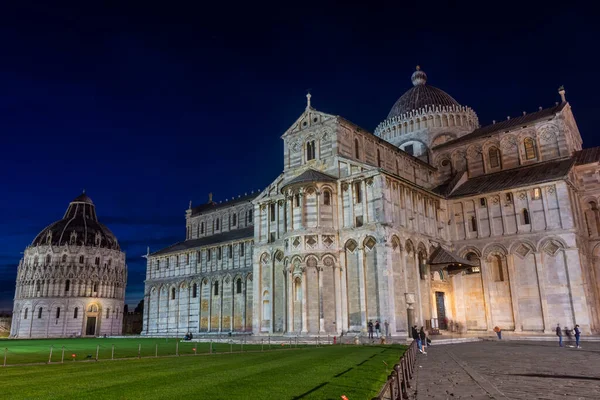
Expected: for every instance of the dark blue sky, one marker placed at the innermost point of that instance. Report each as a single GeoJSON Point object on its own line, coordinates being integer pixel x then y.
{"type": "Point", "coordinates": [150, 106]}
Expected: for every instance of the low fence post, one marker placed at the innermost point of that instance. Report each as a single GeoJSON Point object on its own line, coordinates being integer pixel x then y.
{"type": "Point", "coordinates": [112, 352]}
{"type": "Point", "coordinates": [62, 356]}
{"type": "Point", "coordinates": [210, 347]}
{"type": "Point", "coordinates": [5, 354]}
{"type": "Point", "coordinates": [50, 357]}
{"type": "Point", "coordinates": [140, 350]}
{"type": "Point", "coordinates": [262, 344]}
{"type": "Point", "coordinates": [242, 344]}
{"type": "Point", "coordinates": [269, 342]}
{"type": "Point", "coordinates": [231, 346]}
{"type": "Point", "coordinates": [177, 348]}
{"type": "Point", "coordinates": [97, 351]}
{"type": "Point", "coordinates": [156, 351]}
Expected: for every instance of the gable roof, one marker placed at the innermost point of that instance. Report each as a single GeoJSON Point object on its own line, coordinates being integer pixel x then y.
{"type": "Point", "coordinates": [441, 256]}
{"type": "Point", "coordinates": [236, 234]}
{"type": "Point", "coordinates": [516, 177]}
{"type": "Point", "coordinates": [587, 156]}
{"type": "Point", "coordinates": [504, 125]}
{"type": "Point", "coordinates": [310, 175]}
{"type": "Point", "coordinates": [212, 206]}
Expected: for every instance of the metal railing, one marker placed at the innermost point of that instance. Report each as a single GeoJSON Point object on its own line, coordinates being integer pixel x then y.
{"type": "Point", "coordinates": [398, 382]}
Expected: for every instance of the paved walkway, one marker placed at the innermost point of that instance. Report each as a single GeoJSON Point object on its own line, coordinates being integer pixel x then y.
{"type": "Point", "coordinates": [508, 370]}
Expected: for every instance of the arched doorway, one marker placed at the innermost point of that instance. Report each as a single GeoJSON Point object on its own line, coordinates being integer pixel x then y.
{"type": "Point", "coordinates": [92, 320]}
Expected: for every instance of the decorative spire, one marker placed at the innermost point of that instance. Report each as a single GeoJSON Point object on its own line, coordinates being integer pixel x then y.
{"type": "Point", "coordinates": [190, 207]}
{"type": "Point", "coordinates": [561, 91]}
{"type": "Point", "coordinates": [418, 77]}
{"type": "Point", "coordinates": [210, 197]}
{"type": "Point", "coordinates": [308, 96]}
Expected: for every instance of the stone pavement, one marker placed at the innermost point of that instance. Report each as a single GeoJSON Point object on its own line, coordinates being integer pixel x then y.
{"type": "Point", "coordinates": [508, 370]}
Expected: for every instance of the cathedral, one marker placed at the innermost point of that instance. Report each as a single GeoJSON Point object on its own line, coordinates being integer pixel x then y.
{"type": "Point", "coordinates": [431, 220]}
{"type": "Point", "coordinates": [71, 279]}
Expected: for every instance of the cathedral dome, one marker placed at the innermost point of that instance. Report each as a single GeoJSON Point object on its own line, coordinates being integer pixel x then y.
{"type": "Point", "coordinates": [420, 96]}
{"type": "Point", "coordinates": [79, 226]}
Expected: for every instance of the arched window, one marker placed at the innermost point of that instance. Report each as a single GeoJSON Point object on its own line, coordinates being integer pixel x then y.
{"type": "Point", "coordinates": [35, 261]}
{"type": "Point", "coordinates": [97, 261]}
{"type": "Point", "coordinates": [75, 312]}
{"type": "Point", "coordinates": [475, 260]}
{"type": "Point", "coordinates": [250, 216]}
{"type": "Point", "coordinates": [48, 259]}
{"type": "Point", "coordinates": [26, 312]}
{"type": "Point", "coordinates": [81, 259]}
{"type": "Point", "coordinates": [40, 313]}
{"type": "Point", "coordinates": [234, 221]}
{"type": "Point", "coordinates": [378, 158]}
{"type": "Point", "coordinates": [202, 228]}
{"type": "Point", "coordinates": [67, 285]}
{"type": "Point", "coordinates": [494, 156]}
{"type": "Point", "coordinates": [217, 223]}
{"type": "Point", "coordinates": [195, 290]}
{"type": "Point", "coordinates": [238, 286]}
{"type": "Point", "coordinates": [473, 224]}
{"type": "Point", "coordinates": [530, 151]}
{"type": "Point", "coordinates": [108, 313]}
{"type": "Point", "coordinates": [208, 254]}
{"type": "Point", "coordinates": [356, 149]}
{"type": "Point", "coordinates": [93, 308]}
{"type": "Point", "coordinates": [242, 249]}
{"type": "Point", "coordinates": [95, 286]}
{"type": "Point", "coordinates": [525, 216]}
{"type": "Point", "coordinates": [326, 198]}
{"type": "Point", "coordinates": [230, 251]}
{"type": "Point", "coordinates": [310, 150]}
{"type": "Point", "coordinates": [219, 250]}
{"type": "Point", "coordinates": [266, 306]}
{"type": "Point", "coordinates": [64, 258]}
{"type": "Point", "coordinates": [57, 312]}
{"type": "Point", "coordinates": [216, 292]}
{"type": "Point", "coordinates": [297, 199]}
{"type": "Point", "coordinates": [272, 211]}
{"type": "Point", "coordinates": [37, 286]}
{"type": "Point", "coordinates": [172, 293]}
{"type": "Point", "coordinates": [497, 269]}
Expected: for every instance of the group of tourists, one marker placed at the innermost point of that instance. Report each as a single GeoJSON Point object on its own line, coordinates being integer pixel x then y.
{"type": "Point", "coordinates": [376, 329]}
{"type": "Point", "coordinates": [569, 333]}
{"type": "Point", "coordinates": [421, 337]}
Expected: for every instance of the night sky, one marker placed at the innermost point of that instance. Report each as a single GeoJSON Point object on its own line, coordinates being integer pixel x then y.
{"type": "Point", "coordinates": [148, 107]}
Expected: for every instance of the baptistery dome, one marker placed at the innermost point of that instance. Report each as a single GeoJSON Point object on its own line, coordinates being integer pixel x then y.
{"type": "Point", "coordinates": [71, 279]}
{"type": "Point", "coordinates": [79, 226]}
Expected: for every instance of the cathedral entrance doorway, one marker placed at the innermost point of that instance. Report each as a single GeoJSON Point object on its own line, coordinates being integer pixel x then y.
{"type": "Point", "coordinates": [441, 309]}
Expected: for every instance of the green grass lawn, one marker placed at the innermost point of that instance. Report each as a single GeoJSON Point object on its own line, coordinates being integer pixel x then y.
{"type": "Point", "coordinates": [307, 373]}
{"type": "Point", "coordinates": [38, 351]}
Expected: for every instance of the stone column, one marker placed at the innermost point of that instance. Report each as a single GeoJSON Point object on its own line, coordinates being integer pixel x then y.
{"type": "Point", "coordinates": [541, 277]}
{"type": "Point", "coordinates": [485, 276]}
{"type": "Point", "coordinates": [290, 300]}
{"type": "Point", "coordinates": [321, 313]}
{"type": "Point", "coordinates": [512, 276]}
{"type": "Point", "coordinates": [338, 299]}
{"type": "Point", "coordinates": [221, 288]}
{"type": "Point", "coordinates": [362, 288]}
{"type": "Point", "coordinates": [420, 299]}
{"type": "Point", "coordinates": [210, 294]}
{"type": "Point", "coordinates": [304, 302]}
{"type": "Point", "coordinates": [579, 305]}
{"type": "Point", "coordinates": [301, 206]}
{"type": "Point", "coordinates": [391, 295]}
{"type": "Point", "coordinates": [343, 292]}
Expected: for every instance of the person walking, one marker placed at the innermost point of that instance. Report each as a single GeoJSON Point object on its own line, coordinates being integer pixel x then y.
{"type": "Point", "coordinates": [387, 328]}
{"type": "Point", "coordinates": [370, 327]}
{"type": "Point", "coordinates": [415, 336]}
{"type": "Point", "coordinates": [559, 334]}
{"type": "Point", "coordinates": [423, 337]}
{"type": "Point", "coordinates": [498, 332]}
{"type": "Point", "coordinates": [577, 336]}
{"type": "Point", "coordinates": [377, 328]}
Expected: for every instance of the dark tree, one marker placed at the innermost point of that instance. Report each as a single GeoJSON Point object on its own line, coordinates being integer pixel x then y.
{"type": "Point", "coordinates": [140, 307]}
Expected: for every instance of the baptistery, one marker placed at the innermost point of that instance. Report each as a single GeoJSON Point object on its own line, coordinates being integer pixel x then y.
{"type": "Point", "coordinates": [71, 279]}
